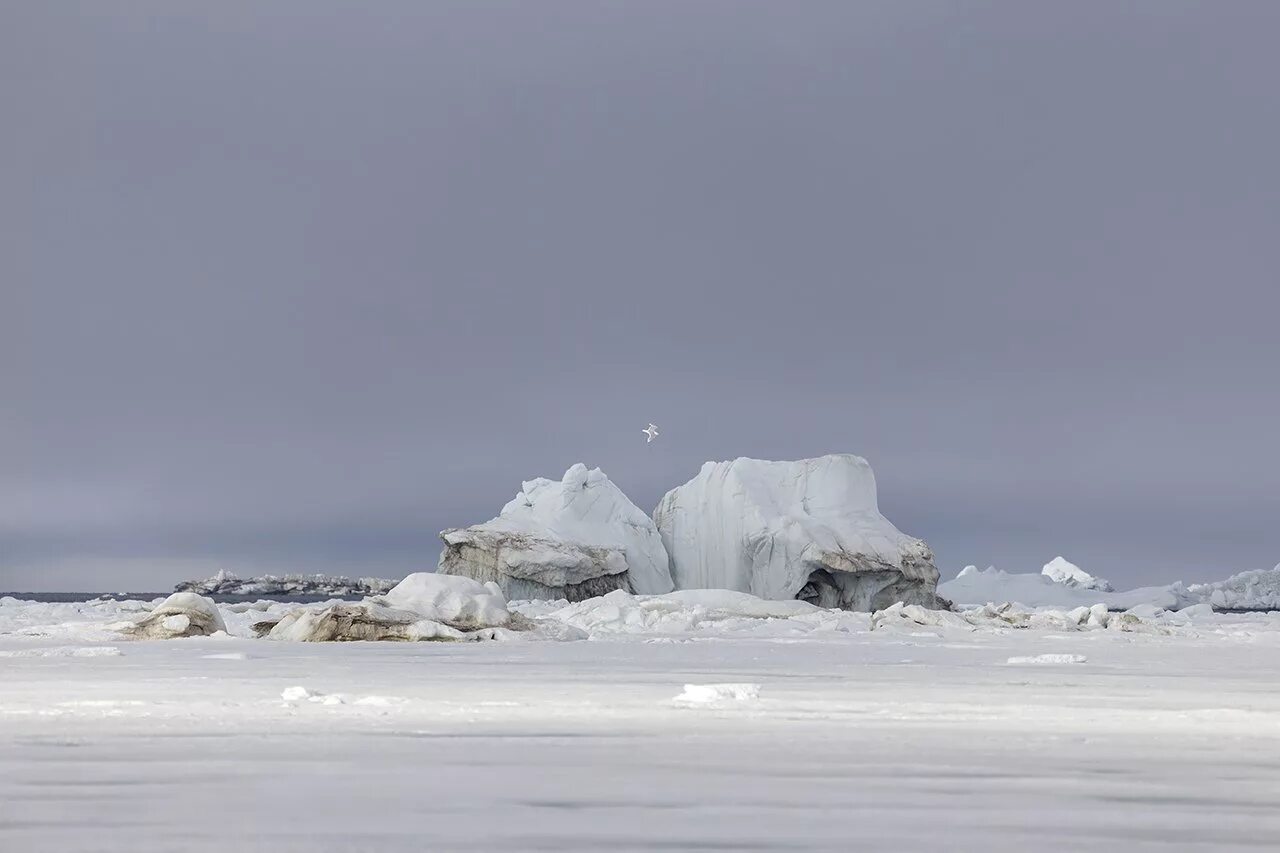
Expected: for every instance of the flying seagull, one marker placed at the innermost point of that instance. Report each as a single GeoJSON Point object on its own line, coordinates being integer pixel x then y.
{"type": "Point", "coordinates": [651, 431]}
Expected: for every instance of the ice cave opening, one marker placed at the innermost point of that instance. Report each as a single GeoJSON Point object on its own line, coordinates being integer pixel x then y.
{"type": "Point", "coordinates": [863, 591]}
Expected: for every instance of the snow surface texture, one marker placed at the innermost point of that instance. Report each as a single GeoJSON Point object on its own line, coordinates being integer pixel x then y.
{"type": "Point", "coordinates": [809, 529]}
{"type": "Point", "coordinates": [573, 539]}
{"type": "Point", "coordinates": [1063, 571]}
{"type": "Point", "coordinates": [914, 733]}
{"type": "Point", "coordinates": [183, 614]}
{"type": "Point", "coordinates": [423, 606]}
{"type": "Point", "coordinates": [225, 583]}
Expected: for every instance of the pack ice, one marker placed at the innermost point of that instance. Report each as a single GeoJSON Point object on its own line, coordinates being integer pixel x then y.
{"type": "Point", "coordinates": [809, 529]}
{"type": "Point", "coordinates": [573, 539]}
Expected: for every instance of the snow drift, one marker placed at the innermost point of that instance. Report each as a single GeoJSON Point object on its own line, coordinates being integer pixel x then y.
{"type": "Point", "coordinates": [809, 529]}
{"type": "Point", "coordinates": [573, 539]}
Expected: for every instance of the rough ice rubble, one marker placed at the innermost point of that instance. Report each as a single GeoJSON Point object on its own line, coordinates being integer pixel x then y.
{"type": "Point", "coordinates": [1144, 619]}
{"type": "Point", "coordinates": [1063, 571]}
{"type": "Point", "coordinates": [423, 606]}
{"type": "Point", "coordinates": [183, 614]}
{"type": "Point", "coordinates": [684, 611]}
{"type": "Point", "coordinates": [1061, 584]}
{"type": "Point", "coordinates": [684, 616]}
{"type": "Point", "coordinates": [573, 539]}
{"type": "Point", "coordinates": [809, 529]}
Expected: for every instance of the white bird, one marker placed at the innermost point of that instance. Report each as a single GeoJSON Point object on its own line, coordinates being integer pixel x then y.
{"type": "Point", "coordinates": [651, 431]}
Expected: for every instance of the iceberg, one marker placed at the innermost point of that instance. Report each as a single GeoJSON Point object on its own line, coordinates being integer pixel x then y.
{"type": "Point", "coordinates": [1063, 571]}
{"type": "Point", "coordinates": [809, 529]}
{"type": "Point", "coordinates": [575, 538]}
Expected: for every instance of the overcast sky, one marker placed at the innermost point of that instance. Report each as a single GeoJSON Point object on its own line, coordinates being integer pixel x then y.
{"type": "Point", "coordinates": [295, 285]}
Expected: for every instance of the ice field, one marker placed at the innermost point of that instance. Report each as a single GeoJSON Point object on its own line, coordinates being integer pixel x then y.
{"type": "Point", "coordinates": [1161, 731]}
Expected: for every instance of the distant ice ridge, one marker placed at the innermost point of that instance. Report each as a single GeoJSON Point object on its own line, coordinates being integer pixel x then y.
{"type": "Point", "coordinates": [974, 586]}
{"type": "Point", "coordinates": [1254, 590]}
{"type": "Point", "coordinates": [574, 538]}
{"type": "Point", "coordinates": [809, 529]}
{"type": "Point", "coordinates": [226, 583]}
{"type": "Point", "coordinates": [1063, 571]}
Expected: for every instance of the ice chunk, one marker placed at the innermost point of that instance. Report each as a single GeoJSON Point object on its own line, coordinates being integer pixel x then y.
{"type": "Point", "coordinates": [1202, 610]}
{"type": "Point", "coordinates": [1048, 659]}
{"type": "Point", "coordinates": [183, 614]}
{"type": "Point", "coordinates": [574, 538]}
{"type": "Point", "coordinates": [456, 601]}
{"type": "Point", "coordinates": [1060, 570]}
{"type": "Point", "coordinates": [424, 606]}
{"type": "Point", "coordinates": [809, 529]}
{"type": "Point", "coordinates": [705, 694]}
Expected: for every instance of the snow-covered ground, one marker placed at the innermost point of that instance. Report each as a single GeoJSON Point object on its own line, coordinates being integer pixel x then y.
{"type": "Point", "coordinates": [696, 721]}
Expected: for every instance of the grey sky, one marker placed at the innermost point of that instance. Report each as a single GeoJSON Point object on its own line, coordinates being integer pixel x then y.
{"type": "Point", "coordinates": [295, 285]}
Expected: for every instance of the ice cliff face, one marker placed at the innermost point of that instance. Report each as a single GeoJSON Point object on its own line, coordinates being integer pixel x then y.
{"type": "Point", "coordinates": [574, 539]}
{"type": "Point", "coordinates": [1063, 571]}
{"type": "Point", "coordinates": [809, 529]}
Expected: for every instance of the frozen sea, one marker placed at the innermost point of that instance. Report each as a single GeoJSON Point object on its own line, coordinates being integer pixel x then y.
{"type": "Point", "coordinates": [908, 737]}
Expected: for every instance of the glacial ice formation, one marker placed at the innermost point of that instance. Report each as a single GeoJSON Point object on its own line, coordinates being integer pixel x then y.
{"type": "Point", "coordinates": [809, 529]}
{"type": "Point", "coordinates": [574, 539]}
{"type": "Point", "coordinates": [1063, 571]}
